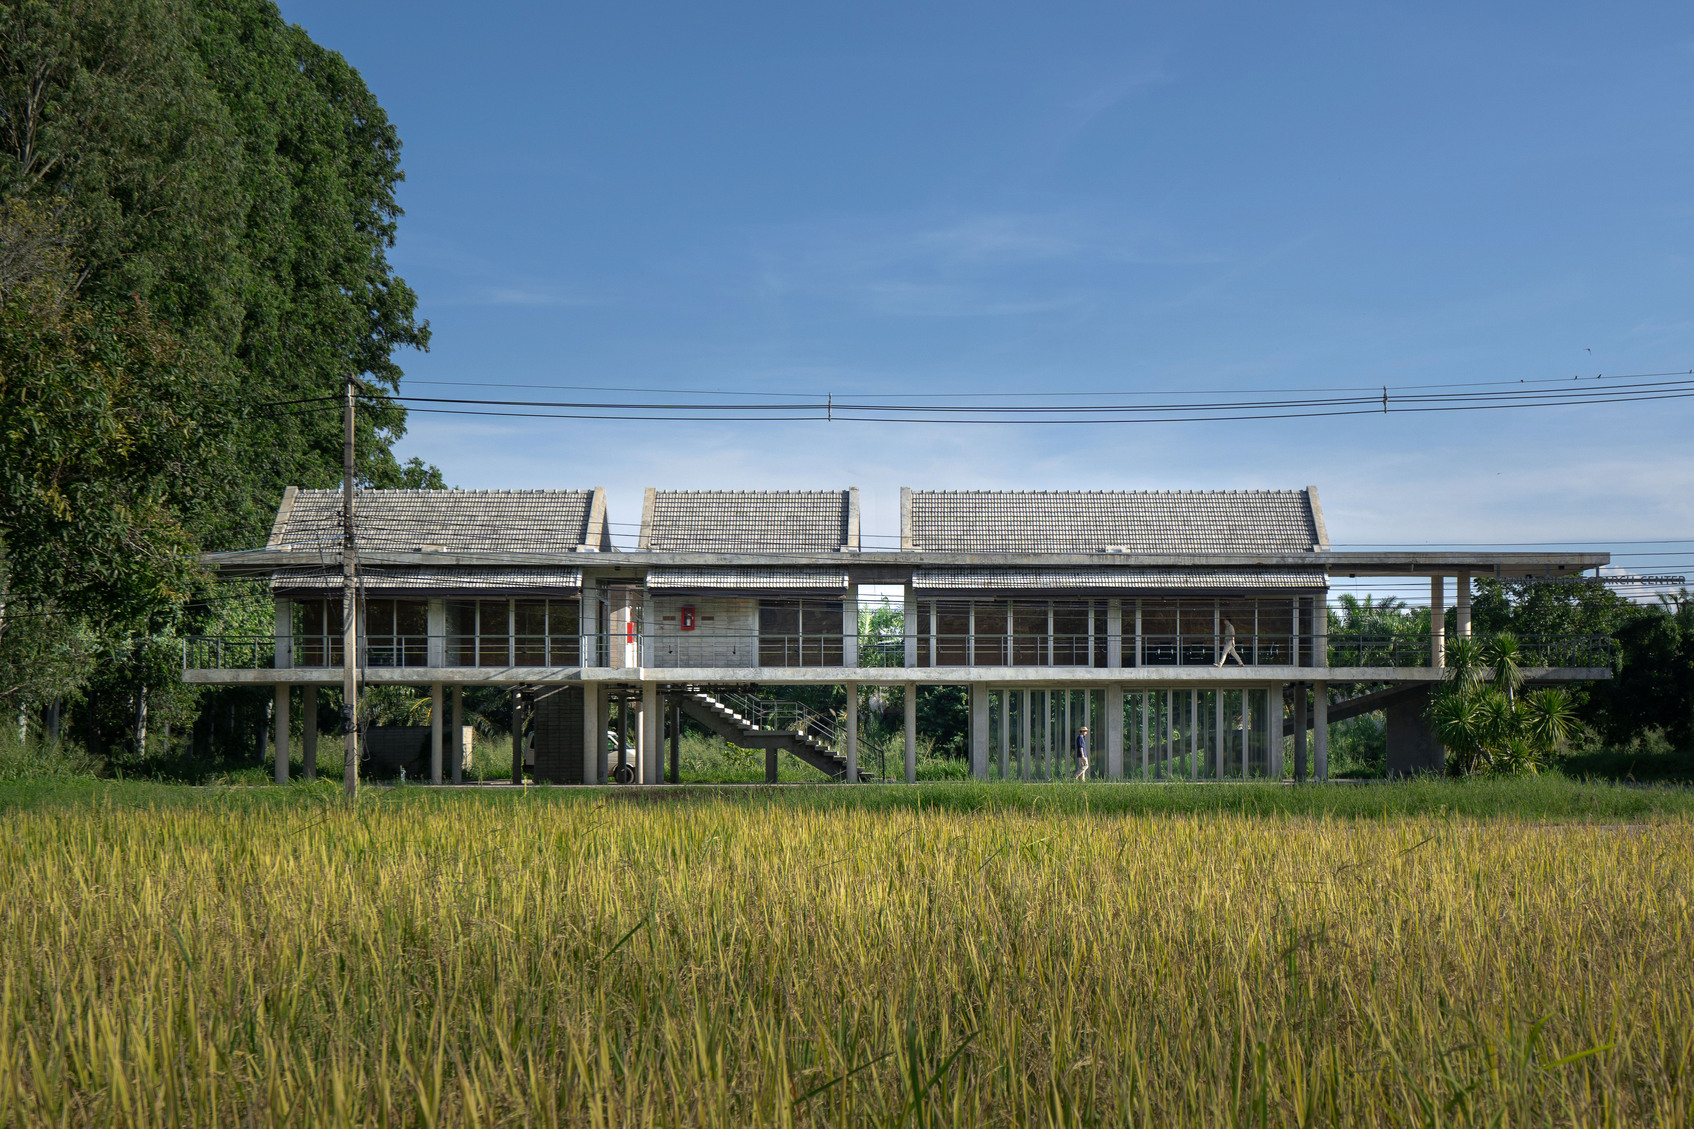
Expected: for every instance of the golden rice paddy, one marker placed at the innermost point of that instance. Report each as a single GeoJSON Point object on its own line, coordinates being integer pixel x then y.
{"type": "Point", "coordinates": [547, 960]}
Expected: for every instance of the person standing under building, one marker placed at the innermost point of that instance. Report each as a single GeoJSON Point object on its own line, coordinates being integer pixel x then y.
{"type": "Point", "coordinates": [1229, 645]}
{"type": "Point", "coordinates": [1082, 753]}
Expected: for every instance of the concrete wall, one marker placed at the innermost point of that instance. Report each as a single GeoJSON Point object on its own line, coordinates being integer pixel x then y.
{"type": "Point", "coordinates": [726, 631]}
{"type": "Point", "coordinates": [1412, 747]}
{"type": "Point", "coordinates": [558, 737]}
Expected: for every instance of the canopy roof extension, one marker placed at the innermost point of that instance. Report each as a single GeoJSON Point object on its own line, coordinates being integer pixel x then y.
{"type": "Point", "coordinates": [444, 521]}
{"type": "Point", "coordinates": [1112, 521]}
{"type": "Point", "coordinates": [401, 580]}
{"type": "Point", "coordinates": [749, 581]}
{"type": "Point", "coordinates": [1119, 580]}
{"type": "Point", "coordinates": [750, 521]}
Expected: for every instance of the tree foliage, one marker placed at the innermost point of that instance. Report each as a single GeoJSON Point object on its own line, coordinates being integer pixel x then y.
{"type": "Point", "coordinates": [196, 208]}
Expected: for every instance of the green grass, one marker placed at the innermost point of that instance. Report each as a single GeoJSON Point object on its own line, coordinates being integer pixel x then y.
{"type": "Point", "coordinates": [1487, 953]}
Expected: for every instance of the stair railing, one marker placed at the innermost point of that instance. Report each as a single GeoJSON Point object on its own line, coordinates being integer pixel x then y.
{"type": "Point", "coordinates": [779, 714]}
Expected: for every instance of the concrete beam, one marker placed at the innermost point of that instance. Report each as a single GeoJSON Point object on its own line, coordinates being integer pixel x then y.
{"type": "Point", "coordinates": [863, 566]}
{"type": "Point", "coordinates": [994, 676]}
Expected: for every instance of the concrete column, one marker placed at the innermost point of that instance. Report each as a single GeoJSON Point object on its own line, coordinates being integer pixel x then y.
{"type": "Point", "coordinates": [1275, 697]}
{"type": "Point", "coordinates": [1299, 734]}
{"type": "Point", "coordinates": [1005, 734]}
{"type": "Point", "coordinates": [457, 768]}
{"type": "Point", "coordinates": [652, 735]}
{"type": "Point", "coordinates": [435, 647]}
{"type": "Point", "coordinates": [1217, 734]}
{"type": "Point", "coordinates": [979, 731]}
{"type": "Point", "coordinates": [1194, 734]}
{"type": "Point", "coordinates": [1320, 730]}
{"type": "Point", "coordinates": [850, 627]}
{"type": "Point", "coordinates": [1246, 728]}
{"type": "Point", "coordinates": [911, 732]}
{"type": "Point", "coordinates": [1169, 762]}
{"type": "Point", "coordinates": [1146, 719]}
{"type": "Point", "coordinates": [282, 655]}
{"type": "Point", "coordinates": [1437, 623]}
{"type": "Point", "coordinates": [309, 729]}
{"type": "Point", "coordinates": [1024, 765]}
{"type": "Point", "coordinates": [593, 732]}
{"type": "Point", "coordinates": [676, 742]}
{"type": "Point", "coordinates": [517, 737]}
{"type": "Point", "coordinates": [909, 627]}
{"type": "Point", "coordinates": [281, 737]}
{"type": "Point", "coordinates": [1461, 595]}
{"type": "Point", "coordinates": [588, 618]}
{"type": "Point", "coordinates": [1320, 629]}
{"type": "Point", "coordinates": [1114, 732]}
{"type": "Point", "coordinates": [850, 738]}
{"type": "Point", "coordinates": [1114, 633]}
{"type": "Point", "coordinates": [435, 727]}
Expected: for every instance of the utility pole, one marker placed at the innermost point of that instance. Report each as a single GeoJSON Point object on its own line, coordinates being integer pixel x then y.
{"type": "Point", "coordinates": [349, 603]}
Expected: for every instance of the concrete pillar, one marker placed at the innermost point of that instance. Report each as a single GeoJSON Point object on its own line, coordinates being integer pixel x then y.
{"type": "Point", "coordinates": [1461, 595]}
{"type": "Point", "coordinates": [1194, 761]}
{"type": "Point", "coordinates": [281, 738]}
{"type": "Point", "coordinates": [1167, 766]}
{"type": "Point", "coordinates": [1275, 698]}
{"type": "Point", "coordinates": [1146, 722]}
{"type": "Point", "coordinates": [850, 738]}
{"type": "Point", "coordinates": [676, 741]}
{"type": "Point", "coordinates": [979, 731]}
{"type": "Point", "coordinates": [1320, 730]}
{"type": "Point", "coordinates": [1437, 623]}
{"type": "Point", "coordinates": [1320, 629]}
{"type": "Point", "coordinates": [309, 729]}
{"type": "Point", "coordinates": [1299, 733]}
{"type": "Point", "coordinates": [282, 654]}
{"type": "Point", "coordinates": [456, 769]}
{"type": "Point", "coordinates": [1005, 733]}
{"type": "Point", "coordinates": [1246, 728]}
{"type": "Point", "coordinates": [850, 627]}
{"type": "Point", "coordinates": [909, 628]}
{"type": "Point", "coordinates": [1217, 735]}
{"type": "Point", "coordinates": [593, 732]}
{"type": "Point", "coordinates": [517, 736]}
{"type": "Point", "coordinates": [1114, 732]}
{"type": "Point", "coordinates": [588, 619]}
{"type": "Point", "coordinates": [435, 646]}
{"type": "Point", "coordinates": [1024, 763]}
{"type": "Point", "coordinates": [1114, 633]}
{"type": "Point", "coordinates": [1064, 765]}
{"type": "Point", "coordinates": [652, 733]}
{"type": "Point", "coordinates": [911, 732]}
{"type": "Point", "coordinates": [436, 724]}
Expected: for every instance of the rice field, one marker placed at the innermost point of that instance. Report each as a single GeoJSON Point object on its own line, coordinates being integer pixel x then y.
{"type": "Point", "coordinates": [1015, 955]}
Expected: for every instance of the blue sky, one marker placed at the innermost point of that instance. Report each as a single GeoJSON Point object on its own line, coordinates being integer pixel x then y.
{"type": "Point", "coordinates": [983, 197]}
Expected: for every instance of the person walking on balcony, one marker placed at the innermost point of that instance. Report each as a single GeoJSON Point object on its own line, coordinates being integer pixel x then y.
{"type": "Point", "coordinates": [1229, 645]}
{"type": "Point", "coordinates": [1082, 754]}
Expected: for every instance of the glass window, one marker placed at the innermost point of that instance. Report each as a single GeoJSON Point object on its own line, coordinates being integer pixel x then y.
{"type": "Point", "coordinates": [1158, 632]}
{"type": "Point", "coordinates": [461, 633]}
{"type": "Point", "coordinates": [779, 632]}
{"type": "Point", "coordinates": [1070, 633]}
{"type": "Point", "coordinates": [564, 637]}
{"type": "Point", "coordinates": [529, 619]}
{"type": "Point", "coordinates": [1029, 632]}
{"type": "Point", "coordinates": [952, 632]}
{"type": "Point", "coordinates": [493, 633]}
{"type": "Point", "coordinates": [990, 649]}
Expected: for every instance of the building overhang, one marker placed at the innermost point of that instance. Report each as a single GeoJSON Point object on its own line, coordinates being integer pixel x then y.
{"type": "Point", "coordinates": [889, 566]}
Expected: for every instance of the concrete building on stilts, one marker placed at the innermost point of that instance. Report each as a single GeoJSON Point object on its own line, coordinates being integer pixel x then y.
{"type": "Point", "coordinates": [1188, 630]}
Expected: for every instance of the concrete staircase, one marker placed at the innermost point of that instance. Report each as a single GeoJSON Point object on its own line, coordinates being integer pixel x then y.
{"type": "Point", "coordinates": [772, 725]}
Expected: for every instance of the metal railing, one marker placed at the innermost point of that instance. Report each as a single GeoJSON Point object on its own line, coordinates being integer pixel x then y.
{"type": "Point", "coordinates": [729, 651]}
{"type": "Point", "coordinates": [781, 714]}
{"type": "Point", "coordinates": [1591, 651]}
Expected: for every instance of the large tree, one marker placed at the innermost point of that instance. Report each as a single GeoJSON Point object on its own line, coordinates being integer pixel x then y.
{"type": "Point", "coordinates": [198, 206]}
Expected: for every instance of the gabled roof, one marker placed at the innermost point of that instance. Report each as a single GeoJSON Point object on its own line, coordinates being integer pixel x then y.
{"type": "Point", "coordinates": [452, 521]}
{"type": "Point", "coordinates": [1126, 521]}
{"type": "Point", "coordinates": [751, 521]}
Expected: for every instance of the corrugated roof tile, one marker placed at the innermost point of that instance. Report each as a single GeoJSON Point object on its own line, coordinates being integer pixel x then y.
{"type": "Point", "coordinates": [1134, 521]}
